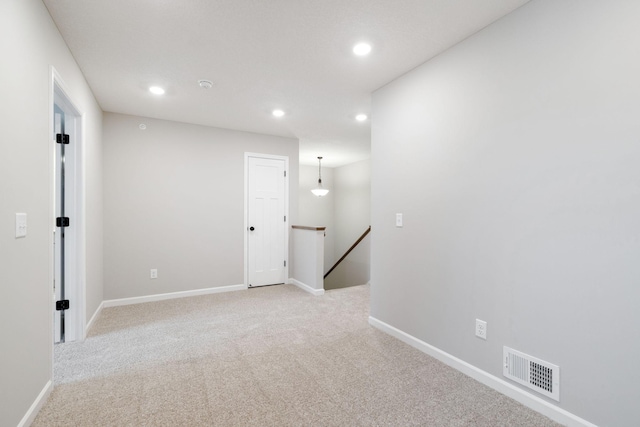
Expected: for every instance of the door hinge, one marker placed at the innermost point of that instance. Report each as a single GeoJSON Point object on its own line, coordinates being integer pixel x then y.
{"type": "Point", "coordinates": [285, 218]}
{"type": "Point", "coordinates": [62, 138]}
{"type": "Point", "coordinates": [62, 221]}
{"type": "Point", "coordinates": [285, 262]}
{"type": "Point", "coordinates": [285, 174]}
{"type": "Point", "coordinates": [62, 305]}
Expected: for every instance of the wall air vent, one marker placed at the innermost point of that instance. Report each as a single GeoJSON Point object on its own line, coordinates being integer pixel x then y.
{"type": "Point", "coordinates": [536, 374]}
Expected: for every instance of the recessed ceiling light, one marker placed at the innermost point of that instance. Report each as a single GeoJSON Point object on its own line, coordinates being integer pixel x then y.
{"type": "Point", "coordinates": [278, 113]}
{"type": "Point", "coordinates": [205, 84]}
{"type": "Point", "coordinates": [362, 49]}
{"type": "Point", "coordinates": [361, 117]}
{"type": "Point", "coordinates": [142, 126]}
{"type": "Point", "coordinates": [156, 90]}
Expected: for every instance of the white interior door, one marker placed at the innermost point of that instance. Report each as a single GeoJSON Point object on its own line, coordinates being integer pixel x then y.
{"type": "Point", "coordinates": [65, 181]}
{"type": "Point", "coordinates": [58, 319]}
{"type": "Point", "coordinates": [266, 221]}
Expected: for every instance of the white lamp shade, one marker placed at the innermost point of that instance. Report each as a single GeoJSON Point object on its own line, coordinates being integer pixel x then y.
{"type": "Point", "coordinates": [320, 191]}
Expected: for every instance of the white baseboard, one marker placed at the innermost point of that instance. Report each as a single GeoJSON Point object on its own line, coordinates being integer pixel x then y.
{"type": "Point", "coordinates": [31, 414]}
{"type": "Point", "coordinates": [306, 287]}
{"type": "Point", "coordinates": [93, 319]}
{"type": "Point", "coordinates": [171, 295]}
{"type": "Point", "coordinates": [537, 404]}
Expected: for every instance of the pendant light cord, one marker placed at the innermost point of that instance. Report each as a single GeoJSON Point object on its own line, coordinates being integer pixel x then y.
{"type": "Point", "coordinates": [320, 190]}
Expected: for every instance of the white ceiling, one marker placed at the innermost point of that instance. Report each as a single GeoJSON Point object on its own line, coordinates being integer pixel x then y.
{"type": "Point", "coordinates": [295, 55]}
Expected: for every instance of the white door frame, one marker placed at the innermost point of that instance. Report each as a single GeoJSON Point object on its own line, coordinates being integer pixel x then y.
{"type": "Point", "coordinates": [246, 208]}
{"type": "Point", "coordinates": [59, 93]}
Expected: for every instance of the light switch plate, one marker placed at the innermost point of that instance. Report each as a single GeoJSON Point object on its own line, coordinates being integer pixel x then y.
{"type": "Point", "coordinates": [398, 220]}
{"type": "Point", "coordinates": [21, 225]}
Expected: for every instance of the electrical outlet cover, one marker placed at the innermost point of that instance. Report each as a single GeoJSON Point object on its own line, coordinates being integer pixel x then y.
{"type": "Point", "coordinates": [21, 225]}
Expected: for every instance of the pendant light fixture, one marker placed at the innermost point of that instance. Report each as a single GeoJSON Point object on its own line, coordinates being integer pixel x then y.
{"type": "Point", "coordinates": [320, 190]}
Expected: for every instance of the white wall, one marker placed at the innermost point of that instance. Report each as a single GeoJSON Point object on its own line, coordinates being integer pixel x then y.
{"type": "Point", "coordinates": [174, 200]}
{"type": "Point", "coordinates": [29, 45]}
{"type": "Point", "coordinates": [307, 267]}
{"type": "Point", "coordinates": [352, 210]}
{"type": "Point", "coordinates": [318, 211]}
{"type": "Point", "coordinates": [514, 158]}
{"type": "Point", "coordinates": [352, 216]}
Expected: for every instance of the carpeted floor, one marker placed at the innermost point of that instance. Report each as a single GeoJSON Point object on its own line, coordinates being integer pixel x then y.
{"type": "Point", "coordinates": [273, 356]}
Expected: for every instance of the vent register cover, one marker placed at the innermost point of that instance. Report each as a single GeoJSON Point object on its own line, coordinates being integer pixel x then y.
{"type": "Point", "coordinates": [538, 375]}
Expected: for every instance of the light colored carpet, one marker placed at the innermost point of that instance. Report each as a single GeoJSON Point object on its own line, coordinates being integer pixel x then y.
{"type": "Point", "coordinates": [273, 356]}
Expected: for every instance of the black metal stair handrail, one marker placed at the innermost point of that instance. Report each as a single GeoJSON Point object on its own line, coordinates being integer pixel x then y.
{"type": "Point", "coordinates": [367, 231]}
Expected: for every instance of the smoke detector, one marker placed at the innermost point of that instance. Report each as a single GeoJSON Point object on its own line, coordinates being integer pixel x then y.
{"type": "Point", "coordinates": [205, 84]}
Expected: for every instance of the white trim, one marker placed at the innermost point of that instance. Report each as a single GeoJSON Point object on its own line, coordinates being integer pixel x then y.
{"type": "Point", "coordinates": [246, 234]}
{"type": "Point", "coordinates": [51, 214]}
{"type": "Point", "coordinates": [247, 155]}
{"type": "Point", "coordinates": [533, 402]}
{"type": "Point", "coordinates": [37, 404]}
{"type": "Point", "coordinates": [306, 287]}
{"type": "Point", "coordinates": [171, 295]}
{"type": "Point", "coordinates": [81, 203]}
{"type": "Point", "coordinates": [93, 318]}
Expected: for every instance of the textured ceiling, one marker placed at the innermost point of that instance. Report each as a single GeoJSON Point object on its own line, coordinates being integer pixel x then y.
{"type": "Point", "coordinates": [260, 55]}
